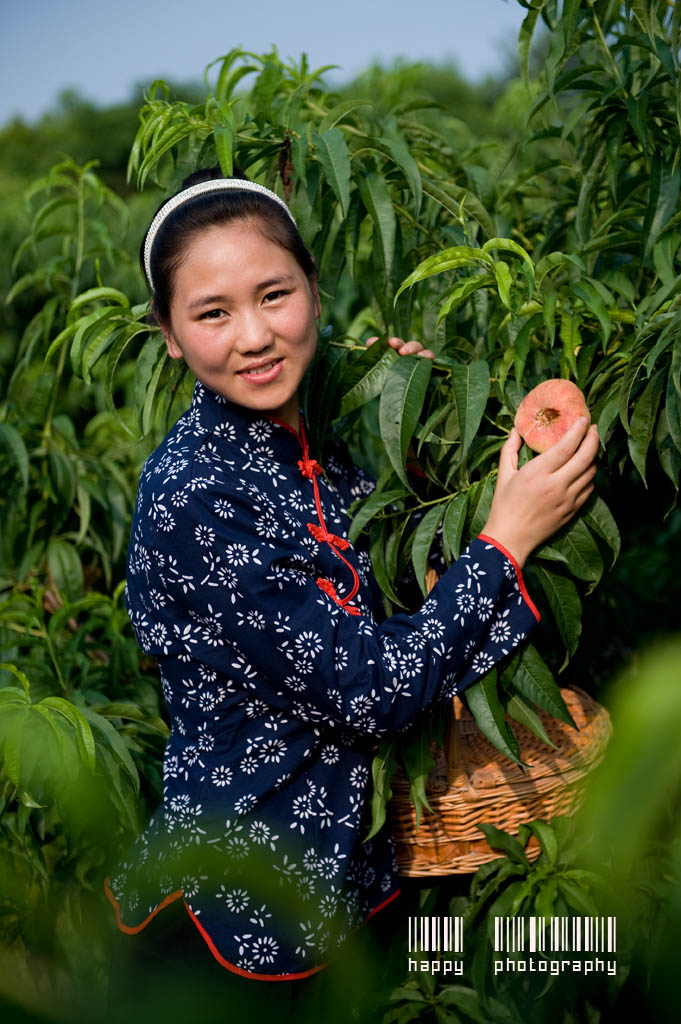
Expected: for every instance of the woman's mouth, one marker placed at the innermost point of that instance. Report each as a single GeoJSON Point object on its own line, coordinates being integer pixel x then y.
{"type": "Point", "coordinates": [262, 374]}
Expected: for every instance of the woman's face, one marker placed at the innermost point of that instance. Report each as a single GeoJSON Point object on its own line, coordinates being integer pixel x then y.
{"type": "Point", "coordinates": [243, 317]}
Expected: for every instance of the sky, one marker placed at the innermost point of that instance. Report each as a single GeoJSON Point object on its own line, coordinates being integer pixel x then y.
{"type": "Point", "coordinates": [103, 50]}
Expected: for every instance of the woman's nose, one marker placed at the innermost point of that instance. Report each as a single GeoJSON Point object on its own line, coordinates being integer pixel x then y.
{"type": "Point", "coordinates": [254, 333]}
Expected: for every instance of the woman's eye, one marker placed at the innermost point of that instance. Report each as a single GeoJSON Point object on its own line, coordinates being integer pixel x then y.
{"type": "Point", "coordinates": [273, 296]}
{"type": "Point", "coordinates": [211, 314]}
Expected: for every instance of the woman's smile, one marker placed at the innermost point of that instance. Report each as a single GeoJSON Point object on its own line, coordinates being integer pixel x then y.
{"type": "Point", "coordinates": [243, 315]}
{"type": "Point", "coordinates": [264, 373]}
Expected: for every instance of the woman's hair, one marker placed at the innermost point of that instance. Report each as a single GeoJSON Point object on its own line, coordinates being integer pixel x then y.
{"type": "Point", "coordinates": [203, 211]}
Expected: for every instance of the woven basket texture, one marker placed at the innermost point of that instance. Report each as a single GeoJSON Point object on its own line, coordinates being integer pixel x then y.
{"type": "Point", "coordinates": [472, 782]}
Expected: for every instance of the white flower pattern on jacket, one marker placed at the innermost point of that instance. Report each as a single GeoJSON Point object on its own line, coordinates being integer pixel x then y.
{"type": "Point", "coordinates": [280, 674]}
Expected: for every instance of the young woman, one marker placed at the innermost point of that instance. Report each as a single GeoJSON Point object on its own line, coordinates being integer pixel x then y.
{"type": "Point", "coordinates": [278, 667]}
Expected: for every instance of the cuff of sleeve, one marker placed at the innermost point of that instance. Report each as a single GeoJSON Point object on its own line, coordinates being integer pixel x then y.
{"type": "Point", "coordinates": [521, 582]}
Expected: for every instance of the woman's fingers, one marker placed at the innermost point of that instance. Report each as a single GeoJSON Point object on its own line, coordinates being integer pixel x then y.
{"type": "Point", "coordinates": [579, 485]}
{"type": "Point", "coordinates": [400, 344]}
{"type": "Point", "coordinates": [405, 348]}
{"type": "Point", "coordinates": [568, 458]}
{"type": "Point", "coordinates": [562, 451]}
{"type": "Point", "coordinates": [409, 348]}
{"type": "Point", "coordinates": [583, 495]}
{"type": "Point", "coordinates": [508, 456]}
{"type": "Point", "coordinates": [581, 461]}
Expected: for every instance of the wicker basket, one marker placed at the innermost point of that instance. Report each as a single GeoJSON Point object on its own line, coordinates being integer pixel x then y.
{"type": "Point", "coordinates": [473, 782]}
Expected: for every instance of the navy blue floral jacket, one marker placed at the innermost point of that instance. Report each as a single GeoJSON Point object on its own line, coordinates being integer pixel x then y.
{"type": "Point", "coordinates": [281, 673]}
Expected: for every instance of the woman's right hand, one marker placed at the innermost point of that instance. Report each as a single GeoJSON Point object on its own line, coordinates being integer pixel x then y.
{"type": "Point", "coordinates": [532, 502]}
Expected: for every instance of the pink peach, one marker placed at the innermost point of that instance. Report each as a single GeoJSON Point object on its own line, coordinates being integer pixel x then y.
{"type": "Point", "coordinates": [548, 412]}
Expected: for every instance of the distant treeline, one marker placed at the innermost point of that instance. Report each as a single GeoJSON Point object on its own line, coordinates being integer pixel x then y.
{"type": "Point", "coordinates": [86, 131]}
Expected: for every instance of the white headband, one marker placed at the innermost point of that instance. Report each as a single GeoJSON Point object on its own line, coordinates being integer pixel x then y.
{"type": "Point", "coordinates": [212, 185]}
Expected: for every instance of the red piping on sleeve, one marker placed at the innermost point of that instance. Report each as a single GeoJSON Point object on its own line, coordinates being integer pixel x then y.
{"type": "Point", "coordinates": [521, 581]}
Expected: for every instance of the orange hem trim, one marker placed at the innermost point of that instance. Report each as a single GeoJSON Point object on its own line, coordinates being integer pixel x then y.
{"type": "Point", "coordinates": [521, 581]}
{"type": "Point", "coordinates": [239, 970]}
{"type": "Point", "coordinates": [383, 904]}
{"type": "Point", "coordinates": [134, 930]}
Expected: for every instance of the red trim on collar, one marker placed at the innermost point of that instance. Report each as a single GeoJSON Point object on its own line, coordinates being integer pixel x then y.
{"type": "Point", "coordinates": [330, 538]}
{"type": "Point", "coordinates": [328, 588]}
{"type": "Point", "coordinates": [287, 426]}
{"type": "Point", "coordinates": [310, 469]}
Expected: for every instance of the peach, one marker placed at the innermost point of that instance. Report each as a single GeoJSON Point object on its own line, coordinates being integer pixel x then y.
{"type": "Point", "coordinates": [548, 412]}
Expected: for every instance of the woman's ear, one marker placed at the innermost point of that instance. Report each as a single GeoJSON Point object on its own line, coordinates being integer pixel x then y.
{"type": "Point", "coordinates": [174, 350]}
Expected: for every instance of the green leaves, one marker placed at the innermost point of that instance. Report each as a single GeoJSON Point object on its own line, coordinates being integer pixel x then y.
{"type": "Point", "coordinates": [593, 300]}
{"type": "Point", "coordinates": [423, 540]}
{"type": "Point", "coordinates": [525, 40]}
{"type": "Point", "coordinates": [576, 544]}
{"type": "Point", "coordinates": [390, 206]}
{"type": "Point", "coordinates": [46, 745]}
{"type": "Point", "coordinates": [468, 257]}
{"type": "Point", "coordinates": [508, 245]}
{"type": "Point", "coordinates": [333, 155]}
{"type": "Point", "coordinates": [65, 568]}
{"type": "Point", "coordinates": [500, 840]}
{"type": "Point", "coordinates": [643, 421]}
{"type": "Point", "coordinates": [417, 762]}
{"type": "Point", "coordinates": [13, 443]}
{"type": "Point", "coordinates": [449, 259]}
{"type": "Point", "coordinates": [565, 605]}
{"type": "Point", "coordinates": [113, 747]}
{"type": "Point", "coordinates": [462, 291]}
{"type": "Point", "coordinates": [400, 406]}
{"type": "Point", "coordinates": [369, 508]}
{"type": "Point", "coordinates": [534, 680]}
{"type": "Point", "coordinates": [383, 767]}
{"type": "Point", "coordinates": [376, 195]}
{"type": "Point", "coordinates": [148, 370]}
{"type": "Point", "coordinates": [512, 885]}
{"type": "Point", "coordinates": [364, 378]}
{"type": "Point", "coordinates": [86, 743]}
{"type": "Point", "coordinates": [488, 712]}
{"type": "Point", "coordinates": [662, 204]}
{"type": "Point", "coordinates": [399, 151]}
{"type": "Point", "coordinates": [452, 527]}
{"type": "Point", "coordinates": [522, 711]}
{"type": "Point", "coordinates": [224, 134]}
{"type": "Point", "coordinates": [470, 390]}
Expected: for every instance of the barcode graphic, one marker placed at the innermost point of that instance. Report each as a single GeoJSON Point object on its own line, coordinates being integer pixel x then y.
{"type": "Point", "coordinates": [436, 935]}
{"type": "Point", "coordinates": [555, 935]}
